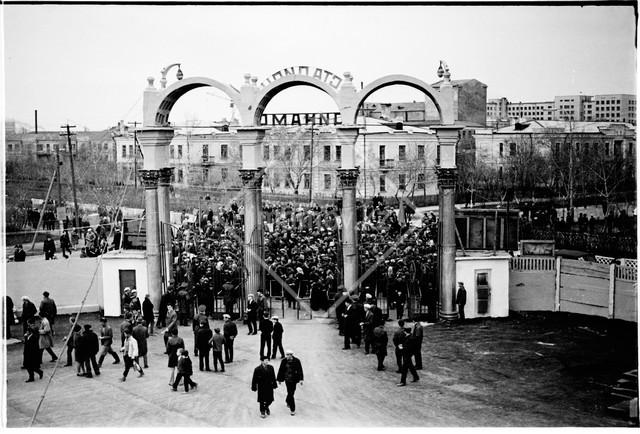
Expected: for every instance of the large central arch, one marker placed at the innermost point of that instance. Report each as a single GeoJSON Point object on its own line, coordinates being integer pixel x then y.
{"type": "Point", "coordinates": [251, 101]}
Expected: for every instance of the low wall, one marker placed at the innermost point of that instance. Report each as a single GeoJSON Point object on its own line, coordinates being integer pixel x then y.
{"type": "Point", "coordinates": [532, 284]}
{"type": "Point", "coordinates": [67, 281]}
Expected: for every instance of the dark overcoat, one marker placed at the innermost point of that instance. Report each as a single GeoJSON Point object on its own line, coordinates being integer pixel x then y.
{"type": "Point", "coordinates": [264, 382]}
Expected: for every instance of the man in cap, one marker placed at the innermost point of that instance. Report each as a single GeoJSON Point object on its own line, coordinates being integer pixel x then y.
{"type": "Point", "coordinates": [276, 335]}
{"type": "Point", "coordinates": [264, 382]}
{"type": "Point", "coordinates": [49, 308]}
{"type": "Point", "coordinates": [172, 323]}
{"type": "Point", "coordinates": [29, 311]}
{"type": "Point", "coordinates": [106, 338]}
{"type": "Point", "coordinates": [290, 372]}
{"type": "Point", "coordinates": [198, 319]}
{"type": "Point", "coordinates": [202, 338]}
{"type": "Point", "coordinates": [229, 296]}
{"type": "Point", "coordinates": [140, 333]}
{"type": "Point", "coordinates": [408, 349]}
{"type": "Point", "coordinates": [217, 342]}
{"type": "Point", "coordinates": [19, 255]}
{"type": "Point", "coordinates": [230, 331]}
{"type": "Point", "coordinates": [379, 345]}
{"type": "Point", "coordinates": [134, 304]}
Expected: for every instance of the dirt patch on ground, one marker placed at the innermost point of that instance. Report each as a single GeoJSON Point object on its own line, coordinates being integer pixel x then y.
{"type": "Point", "coordinates": [536, 369]}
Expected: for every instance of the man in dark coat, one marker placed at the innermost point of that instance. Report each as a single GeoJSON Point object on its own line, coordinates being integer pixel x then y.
{"type": "Point", "coordinates": [398, 341]}
{"type": "Point", "coordinates": [198, 319]}
{"type": "Point", "coordinates": [10, 318]}
{"type": "Point", "coordinates": [166, 299]}
{"type": "Point", "coordinates": [140, 333]}
{"type": "Point", "coordinates": [29, 311]}
{"type": "Point", "coordinates": [106, 339]}
{"type": "Point", "coordinates": [48, 307]}
{"type": "Point", "coordinates": [202, 337]}
{"type": "Point", "coordinates": [65, 244]}
{"type": "Point", "coordinates": [32, 356]}
{"type": "Point", "coordinates": [379, 345]}
{"type": "Point", "coordinates": [229, 297]}
{"type": "Point", "coordinates": [89, 346]}
{"type": "Point", "coordinates": [49, 248]}
{"type": "Point", "coordinates": [264, 382]}
{"type": "Point", "coordinates": [276, 335]}
{"type": "Point", "coordinates": [147, 313]}
{"type": "Point", "coordinates": [351, 324]}
{"type": "Point", "coordinates": [266, 327]}
{"type": "Point", "coordinates": [290, 372]}
{"type": "Point", "coordinates": [417, 333]}
{"type": "Point", "coordinates": [461, 299]}
{"type": "Point", "coordinates": [230, 331]}
{"type": "Point", "coordinates": [408, 349]}
{"type": "Point", "coordinates": [19, 255]}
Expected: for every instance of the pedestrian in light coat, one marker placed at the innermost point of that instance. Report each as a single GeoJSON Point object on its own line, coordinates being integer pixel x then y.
{"type": "Point", "coordinates": [46, 337]}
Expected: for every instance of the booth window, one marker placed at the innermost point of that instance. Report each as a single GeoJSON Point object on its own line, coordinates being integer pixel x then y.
{"type": "Point", "coordinates": [483, 291]}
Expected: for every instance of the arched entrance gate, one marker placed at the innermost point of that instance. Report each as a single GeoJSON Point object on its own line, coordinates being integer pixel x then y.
{"type": "Point", "coordinates": [251, 101]}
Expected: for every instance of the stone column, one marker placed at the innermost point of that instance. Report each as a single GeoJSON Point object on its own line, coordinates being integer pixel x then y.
{"type": "Point", "coordinates": [164, 212]}
{"type": "Point", "coordinates": [149, 179]}
{"type": "Point", "coordinates": [348, 180]}
{"type": "Point", "coordinates": [446, 172]}
{"type": "Point", "coordinates": [252, 182]}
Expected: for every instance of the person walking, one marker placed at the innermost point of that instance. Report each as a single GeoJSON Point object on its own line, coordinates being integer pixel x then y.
{"type": "Point", "coordinates": [203, 336]}
{"type": "Point", "coordinates": [140, 333]}
{"type": "Point", "coordinates": [147, 313]}
{"type": "Point", "coordinates": [407, 365]}
{"type": "Point", "coordinates": [106, 340]}
{"type": "Point", "coordinates": [127, 323]}
{"type": "Point", "coordinates": [252, 315]}
{"type": "Point", "coordinates": [217, 341]}
{"type": "Point", "coordinates": [276, 335]}
{"type": "Point", "coordinates": [130, 352]}
{"type": "Point", "coordinates": [49, 248]}
{"type": "Point", "coordinates": [398, 341]}
{"type": "Point", "coordinates": [29, 312]}
{"type": "Point", "coordinates": [230, 331]}
{"type": "Point", "coordinates": [65, 244]}
{"type": "Point", "coordinates": [367, 328]}
{"type": "Point", "coordinates": [174, 344]}
{"type": "Point", "coordinates": [89, 345]}
{"type": "Point", "coordinates": [78, 350]}
{"type": "Point", "coordinates": [32, 354]}
{"type": "Point", "coordinates": [75, 328]}
{"type": "Point", "coordinates": [48, 306]}
{"type": "Point", "coordinates": [417, 333]}
{"type": "Point", "coordinates": [461, 300]}
{"type": "Point", "coordinates": [172, 323]}
{"type": "Point", "coordinates": [185, 370]}
{"type": "Point", "coordinates": [264, 382]}
{"type": "Point", "coordinates": [291, 373]}
{"type": "Point", "coordinates": [379, 345]}
{"type": "Point", "coordinates": [266, 327]}
{"type": "Point", "coordinates": [46, 337]}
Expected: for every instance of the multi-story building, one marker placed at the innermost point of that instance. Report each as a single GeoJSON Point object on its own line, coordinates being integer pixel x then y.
{"type": "Point", "coordinates": [43, 145]}
{"type": "Point", "coordinates": [599, 108]}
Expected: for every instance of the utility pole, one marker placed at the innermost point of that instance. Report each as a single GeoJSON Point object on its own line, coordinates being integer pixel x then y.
{"type": "Point", "coordinates": [311, 163]}
{"type": "Point", "coordinates": [135, 154]}
{"type": "Point", "coordinates": [58, 173]}
{"type": "Point", "coordinates": [73, 173]}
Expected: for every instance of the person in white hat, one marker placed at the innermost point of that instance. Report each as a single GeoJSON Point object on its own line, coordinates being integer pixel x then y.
{"type": "Point", "coordinates": [229, 331]}
{"type": "Point", "coordinates": [252, 315]}
{"type": "Point", "coordinates": [276, 336]}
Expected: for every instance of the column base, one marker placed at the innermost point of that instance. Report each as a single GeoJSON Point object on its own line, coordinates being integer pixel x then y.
{"type": "Point", "coordinates": [448, 316]}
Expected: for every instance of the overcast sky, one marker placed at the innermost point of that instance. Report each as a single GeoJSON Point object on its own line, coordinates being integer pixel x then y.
{"type": "Point", "coordinates": [88, 65]}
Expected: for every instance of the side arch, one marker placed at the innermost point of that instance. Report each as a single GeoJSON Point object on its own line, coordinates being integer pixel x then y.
{"type": "Point", "coordinates": [266, 94]}
{"type": "Point", "coordinates": [158, 111]}
{"type": "Point", "coordinates": [407, 80]}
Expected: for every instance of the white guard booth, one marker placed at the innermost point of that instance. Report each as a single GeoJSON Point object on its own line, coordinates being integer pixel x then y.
{"type": "Point", "coordinates": [121, 269]}
{"type": "Point", "coordinates": [486, 279]}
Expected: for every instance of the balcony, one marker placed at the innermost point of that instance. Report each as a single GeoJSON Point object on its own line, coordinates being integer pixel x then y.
{"type": "Point", "coordinates": [386, 164]}
{"type": "Point", "coordinates": [207, 160]}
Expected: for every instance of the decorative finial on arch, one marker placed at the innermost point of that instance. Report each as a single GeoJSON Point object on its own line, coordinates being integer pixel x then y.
{"type": "Point", "coordinates": [247, 77]}
{"type": "Point", "coordinates": [150, 81]}
{"type": "Point", "coordinates": [347, 76]}
{"type": "Point", "coordinates": [443, 72]}
{"type": "Point", "coordinates": [254, 81]}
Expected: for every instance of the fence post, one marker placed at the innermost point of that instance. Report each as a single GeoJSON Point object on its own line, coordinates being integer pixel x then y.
{"type": "Point", "coordinates": [612, 289]}
{"type": "Point", "coordinates": [558, 281]}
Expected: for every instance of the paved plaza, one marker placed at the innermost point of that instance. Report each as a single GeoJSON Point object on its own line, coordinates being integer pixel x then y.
{"type": "Point", "coordinates": [484, 373]}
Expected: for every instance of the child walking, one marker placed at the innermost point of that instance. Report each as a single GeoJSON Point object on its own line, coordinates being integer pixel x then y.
{"type": "Point", "coordinates": [185, 370]}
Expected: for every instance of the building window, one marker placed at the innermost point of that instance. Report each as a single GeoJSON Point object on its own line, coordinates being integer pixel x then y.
{"type": "Point", "coordinates": [124, 150]}
{"type": "Point", "coordinates": [205, 175]}
{"type": "Point", "coordinates": [421, 152]}
{"type": "Point", "coordinates": [617, 147]}
{"type": "Point", "coordinates": [179, 151]}
{"type": "Point", "coordinates": [338, 153]}
{"type": "Point", "coordinates": [307, 181]}
{"type": "Point", "coordinates": [131, 150]}
{"type": "Point", "coordinates": [327, 153]}
{"type": "Point", "coordinates": [512, 149]}
{"type": "Point", "coordinates": [276, 151]}
{"type": "Point", "coordinates": [307, 152]}
{"type": "Point", "coordinates": [224, 152]}
{"type": "Point", "coordinates": [383, 183]}
{"type": "Point", "coordinates": [9, 147]}
{"type": "Point", "coordinates": [171, 152]}
{"type": "Point", "coordinates": [287, 152]}
{"type": "Point", "coordinates": [205, 153]}
{"type": "Point", "coordinates": [630, 149]}
{"type": "Point", "coordinates": [224, 173]}
{"type": "Point", "coordinates": [327, 181]}
{"type": "Point", "coordinates": [402, 152]}
{"type": "Point", "coordinates": [500, 172]}
{"type": "Point", "coordinates": [402, 181]}
{"type": "Point", "coordinates": [606, 148]}
{"type": "Point", "coordinates": [180, 176]}
{"type": "Point", "coordinates": [382, 153]}
{"type": "Point", "coordinates": [502, 149]}
{"type": "Point", "coordinates": [438, 155]}
{"type": "Point", "coordinates": [421, 181]}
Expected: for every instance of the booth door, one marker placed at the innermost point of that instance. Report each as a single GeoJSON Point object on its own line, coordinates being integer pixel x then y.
{"type": "Point", "coordinates": [127, 279]}
{"type": "Point", "coordinates": [483, 292]}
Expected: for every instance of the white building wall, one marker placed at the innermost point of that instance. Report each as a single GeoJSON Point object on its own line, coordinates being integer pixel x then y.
{"type": "Point", "coordinates": [498, 268]}
{"type": "Point", "coordinates": [112, 263]}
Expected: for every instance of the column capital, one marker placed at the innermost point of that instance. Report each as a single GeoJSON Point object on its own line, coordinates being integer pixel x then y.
{"type": "Point", "coordinates": [446, 176]}
{"type": "Point", "coordinates": [447, 133]}
{"type": "Point", "coordinates": [348, 177]}
{"type": "Point", "coordinates": [149, 179]}
{"type": "Point", "coordinates": [154, 143]}
{"type": "Point", "coordinates": [252, 178]}
{"type": "Point", "coordinates": [164, 176]}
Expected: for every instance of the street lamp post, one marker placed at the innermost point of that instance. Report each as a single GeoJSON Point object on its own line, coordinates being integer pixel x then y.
{"type": "Point", "coordinates": [165, 70]}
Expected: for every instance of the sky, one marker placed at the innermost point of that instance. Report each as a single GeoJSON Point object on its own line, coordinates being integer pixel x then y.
{"type": "Point", "coordinates": [87, 65]}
